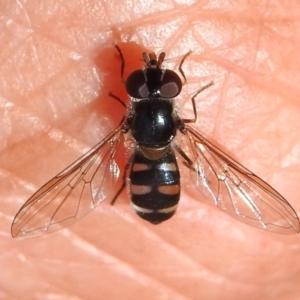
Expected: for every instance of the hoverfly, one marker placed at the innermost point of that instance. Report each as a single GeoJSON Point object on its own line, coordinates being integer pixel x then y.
{"type": "Point", "coordinates": [152, 173]}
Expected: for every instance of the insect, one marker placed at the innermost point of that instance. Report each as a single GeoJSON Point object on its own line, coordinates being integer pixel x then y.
{"type": "Point", "coordinates": [152, 173]}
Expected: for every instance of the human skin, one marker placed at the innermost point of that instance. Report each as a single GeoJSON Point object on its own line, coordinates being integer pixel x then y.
{"type": "Point", "coordinates": [57, 68]}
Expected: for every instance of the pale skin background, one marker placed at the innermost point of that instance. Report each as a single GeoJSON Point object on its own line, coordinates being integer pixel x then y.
{"type": "Point", "coordinates": [57, 67]}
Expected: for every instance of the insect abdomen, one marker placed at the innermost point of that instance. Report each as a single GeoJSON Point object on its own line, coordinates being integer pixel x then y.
{"type": "Point", "coordinates": [155, 185]}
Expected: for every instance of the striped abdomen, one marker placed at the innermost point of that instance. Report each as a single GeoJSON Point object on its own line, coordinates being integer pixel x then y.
{"type": "Point", "coordinates": [154, 183]}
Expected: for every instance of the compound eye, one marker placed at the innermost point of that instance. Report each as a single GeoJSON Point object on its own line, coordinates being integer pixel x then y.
{"type": "Point", "coordinates": [136, 86]}
{"type": "Point", "coordinates": [171, 85]}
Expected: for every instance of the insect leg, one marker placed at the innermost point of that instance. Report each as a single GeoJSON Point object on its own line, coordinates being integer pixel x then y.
{"type": "Point", "coordinates": [123, 184]}
{"type": "Point", "coordinates": [180, 66]}
{"type": "Point", "coordinates": [119, 191]}
{"type": "Point", "coordinates": [187, 161]}
{"type": "Point", "coordinates": [118, 99]}
{"type": "Point", "coordinates": [122, 62]}
{"type": "Point", "coordinates": [193, 120]}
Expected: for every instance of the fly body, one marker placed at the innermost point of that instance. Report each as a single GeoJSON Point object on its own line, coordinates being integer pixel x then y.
{"type": "Point", "coordinates": [154, 175]}
{"type": "Point", "coordinates": [152, 171]}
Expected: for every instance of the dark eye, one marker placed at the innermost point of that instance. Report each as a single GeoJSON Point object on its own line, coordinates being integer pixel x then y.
{"type": "Point", "coordinates": [136, 85]}
{"type": "Point", "coordinates": [171, 85]}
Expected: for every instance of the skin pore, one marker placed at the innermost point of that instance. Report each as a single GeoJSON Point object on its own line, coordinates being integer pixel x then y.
{"type": "Point", "coordinates": [58, 66]}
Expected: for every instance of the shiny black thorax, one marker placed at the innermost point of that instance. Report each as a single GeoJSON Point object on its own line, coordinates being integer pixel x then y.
{"type": "Point", "coordinates": [153, 124]}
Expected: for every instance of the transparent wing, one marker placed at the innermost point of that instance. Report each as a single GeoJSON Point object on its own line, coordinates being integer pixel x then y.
{"type": "Point", "coordinates": [236, 190]}
{"type": "Point", "coordinates": [74, 192]}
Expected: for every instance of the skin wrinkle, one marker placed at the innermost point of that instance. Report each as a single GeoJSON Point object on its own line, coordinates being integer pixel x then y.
{"type": "Point", "coordinates": [219, 114]}
{"type": "Point", "coordinates": [124, 266]}
{"type": "Point", "coordinates": [258, 84]}
{"type": "Point", "coordinates": [255, 133]}
{"type": "Point", "coordinates": [230, 259]}
{"type": "Point", "coordinates": [129, 270]}
{"type": "Point", "coordinates": [174, 251]}
{"type": "Point", "coordinates": [214, 278]}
